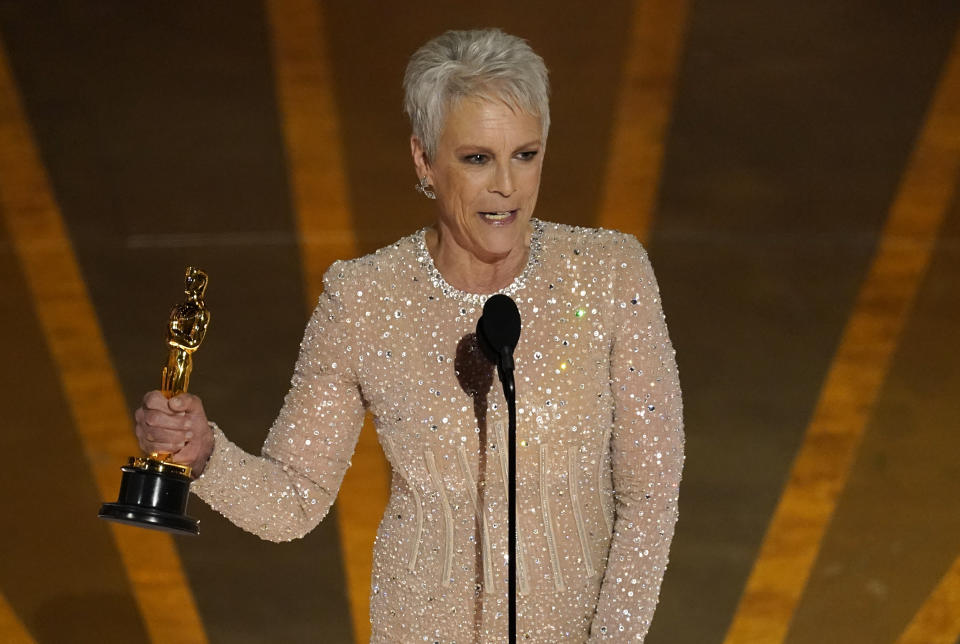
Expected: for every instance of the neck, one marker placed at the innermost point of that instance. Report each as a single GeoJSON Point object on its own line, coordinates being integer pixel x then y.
{"type": "Point", "coordinates": [469, 273]}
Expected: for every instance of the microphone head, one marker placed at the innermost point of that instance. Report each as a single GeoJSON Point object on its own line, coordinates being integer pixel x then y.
{"type": "Point", "coordinates": [498, 327]}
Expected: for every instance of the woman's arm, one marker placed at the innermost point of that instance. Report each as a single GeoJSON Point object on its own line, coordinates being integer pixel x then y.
{"type": "Point", "coordinates": [284, 493]}
{"type": "Point", "coordinates": [646, 452]}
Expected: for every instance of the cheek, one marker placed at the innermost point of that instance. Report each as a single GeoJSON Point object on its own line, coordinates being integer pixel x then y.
{"type": "Point", "coordinates": [531, 180]}
{"type": "Point", "coordinates": [466, 191]}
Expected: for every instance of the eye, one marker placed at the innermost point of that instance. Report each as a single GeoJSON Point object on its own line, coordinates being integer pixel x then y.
{"type": "Point", "coordinates": [528, 155]}
{"type": "Point", "coordinates": [475, 159]}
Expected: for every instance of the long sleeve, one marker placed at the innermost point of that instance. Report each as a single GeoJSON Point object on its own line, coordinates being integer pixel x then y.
{"type": "Point", "coordinates": [285, 493]}
{"type": "Point", "coordinates": [646, 452]}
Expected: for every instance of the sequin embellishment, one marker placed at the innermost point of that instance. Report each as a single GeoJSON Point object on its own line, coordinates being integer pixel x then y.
{"type": "Point", "coordinates": [548, 519]}
{"type": "Point", "coordinates": [447, 517]}
{"type": "Point", "coordinates": [482, 517]}
{"type": "Point", "coordinates": [599, 435]}
{"type": "Point", "coordinates": [415, 549]}
{"type": "Point", "coordinates": [572, 470]}
{"type": "Point", "coordinates": [478, 299]}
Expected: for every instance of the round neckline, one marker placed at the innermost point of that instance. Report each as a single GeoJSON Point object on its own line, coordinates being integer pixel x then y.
{"type": "Point", "coordinates": [425, 259]}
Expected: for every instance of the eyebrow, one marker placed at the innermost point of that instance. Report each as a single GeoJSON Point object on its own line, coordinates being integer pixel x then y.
{"type": "Point", "coordinates": [481, 148]}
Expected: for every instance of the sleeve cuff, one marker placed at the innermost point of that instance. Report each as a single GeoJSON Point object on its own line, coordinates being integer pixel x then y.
{"type": "Point", "coordinates": [216, 461]}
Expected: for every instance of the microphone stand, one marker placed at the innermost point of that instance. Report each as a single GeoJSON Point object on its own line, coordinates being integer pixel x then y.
{"type": "Point", "coordinates": [505, 372]}
{"type": "Point", "coordinates": [498, 331]}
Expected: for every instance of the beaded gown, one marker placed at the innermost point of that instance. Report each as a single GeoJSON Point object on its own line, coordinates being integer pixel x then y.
{"type": "Point", "coordinates": [599, 442]}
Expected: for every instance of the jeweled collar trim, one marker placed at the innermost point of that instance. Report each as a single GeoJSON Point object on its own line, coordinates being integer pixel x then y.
{"type": "Point", "coordinates": [518, 283]}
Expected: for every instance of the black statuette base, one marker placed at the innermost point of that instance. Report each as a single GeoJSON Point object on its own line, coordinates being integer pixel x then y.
{"type": "Point", "coordinates": [150, 499]}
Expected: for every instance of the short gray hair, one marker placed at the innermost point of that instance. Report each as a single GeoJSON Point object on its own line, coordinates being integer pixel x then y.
{"type": "Point", "coordinates": [486, 63]}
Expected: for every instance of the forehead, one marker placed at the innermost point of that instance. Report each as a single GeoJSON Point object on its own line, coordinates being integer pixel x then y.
{"type": "Point", "coordinates": [485, 121]}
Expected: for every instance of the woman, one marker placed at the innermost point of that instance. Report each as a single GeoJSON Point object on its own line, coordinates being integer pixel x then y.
{"type": "Point", "coordinates": [599, 430]}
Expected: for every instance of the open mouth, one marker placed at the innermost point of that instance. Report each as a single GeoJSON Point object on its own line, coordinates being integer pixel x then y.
{"type": "Point", "coordinates": [500, 216]}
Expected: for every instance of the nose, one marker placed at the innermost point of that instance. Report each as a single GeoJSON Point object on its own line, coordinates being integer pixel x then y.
{"type": "Point", "coordinates": [502, 180]}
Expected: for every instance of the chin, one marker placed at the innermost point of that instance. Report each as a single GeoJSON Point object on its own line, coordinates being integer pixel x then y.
{"type": "Point", "coordinates": [500, 236]}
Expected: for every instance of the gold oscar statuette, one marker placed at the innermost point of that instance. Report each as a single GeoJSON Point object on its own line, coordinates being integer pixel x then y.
{"type": "Point", "coordinates": [153, 489]}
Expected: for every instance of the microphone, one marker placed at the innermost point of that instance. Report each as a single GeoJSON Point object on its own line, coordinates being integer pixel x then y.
{"type": "Point", "coordinates": [498, 331]}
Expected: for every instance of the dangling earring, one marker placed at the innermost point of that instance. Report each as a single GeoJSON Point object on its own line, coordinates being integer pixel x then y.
{"type": "Point", "coordinates": [425, 188]}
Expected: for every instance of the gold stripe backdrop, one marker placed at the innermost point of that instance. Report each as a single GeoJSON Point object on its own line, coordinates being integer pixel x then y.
{"type": "Point", "coordinates": [859, 366]}
{"type": "Point", "coordinates": [12, 630]}
{"type": "Point", "coordinates": [89, 381]}
{"type": "Point", "coordinates": [938, 620]}
{"type": "Point", "coordinates": [318, 184]}
{"type": "Point", "coordinates": [316, 168]}
{"type": "Point", "coordinates": [638, 137]}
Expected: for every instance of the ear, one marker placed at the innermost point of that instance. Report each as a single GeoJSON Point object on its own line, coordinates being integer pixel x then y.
{"type": "Point", "coordinates": [420, 159]}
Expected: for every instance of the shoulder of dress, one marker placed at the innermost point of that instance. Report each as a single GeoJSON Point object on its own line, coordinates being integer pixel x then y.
{"type": "Point", "coordinates": [591, 242]}
{"type": "Point", "coordinates": [352, 279]}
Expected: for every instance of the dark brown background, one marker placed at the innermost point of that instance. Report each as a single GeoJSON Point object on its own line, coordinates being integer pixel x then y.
{"type": "Point", "coordinates": [791, 128]}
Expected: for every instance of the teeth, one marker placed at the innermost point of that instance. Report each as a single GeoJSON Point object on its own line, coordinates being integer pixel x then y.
{"type": "Point", "coordinates": [498, 215]}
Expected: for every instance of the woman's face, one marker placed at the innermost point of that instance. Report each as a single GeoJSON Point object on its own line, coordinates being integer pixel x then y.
{"type": "Point", "coordinates": [486, 173]}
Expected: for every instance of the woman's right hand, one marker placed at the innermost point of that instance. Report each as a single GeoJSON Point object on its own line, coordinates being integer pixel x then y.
{"type": "Point", "coordinates": [177, 426]}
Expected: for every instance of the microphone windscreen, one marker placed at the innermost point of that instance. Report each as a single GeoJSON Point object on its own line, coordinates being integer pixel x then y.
{"type": "Point", "coordinates": [499, 326]}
